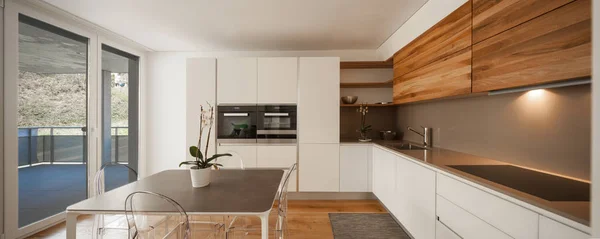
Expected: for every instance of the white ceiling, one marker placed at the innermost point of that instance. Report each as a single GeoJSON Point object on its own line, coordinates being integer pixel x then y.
{"type": "Point", "coordinates": [249, 25]}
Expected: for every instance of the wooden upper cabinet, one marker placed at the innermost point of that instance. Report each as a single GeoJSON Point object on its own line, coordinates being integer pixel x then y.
{"type": "Point", "coordinates": [438, 63]}
{"type": "Point", "coordinates": [448, 36]}
{"type": "Point", "coordinates": [552, 47]}
{"type": "Point", "coordinates": [493, 17]}
{"type": "Point", "coordinates": [448, 77]}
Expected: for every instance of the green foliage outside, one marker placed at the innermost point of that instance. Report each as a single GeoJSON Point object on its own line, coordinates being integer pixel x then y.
{"type": "Point", "coordinates": [60, 100]}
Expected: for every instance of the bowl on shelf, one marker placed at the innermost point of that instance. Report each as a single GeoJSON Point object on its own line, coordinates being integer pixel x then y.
{"type": "Point", "coordinates": [349, 99]}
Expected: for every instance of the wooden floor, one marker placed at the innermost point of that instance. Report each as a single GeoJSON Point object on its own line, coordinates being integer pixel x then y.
{"type": "Point", "coordinates": [306, 219]}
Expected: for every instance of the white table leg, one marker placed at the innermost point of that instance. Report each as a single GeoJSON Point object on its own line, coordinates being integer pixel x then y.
{"type": "Point", "coordinates": [72, 225]}
{"type": "Point", "coordinates": [264, 225]}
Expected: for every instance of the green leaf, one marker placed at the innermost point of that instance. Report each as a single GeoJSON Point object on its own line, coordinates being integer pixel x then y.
{"type": "Point", "coordinates": [188, 163]}
{"type": "Point", "coordinates": [195, 152]}
{"type": "Point", "coordinates": [216, 156]}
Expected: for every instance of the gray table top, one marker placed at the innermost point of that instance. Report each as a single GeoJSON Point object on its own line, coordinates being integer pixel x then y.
{"type": "Point", "coordinates": [230, 191]}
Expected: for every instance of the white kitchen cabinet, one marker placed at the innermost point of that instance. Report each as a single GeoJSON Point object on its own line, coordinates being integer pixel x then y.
{"type": "Point", "coordinates": [277, 80]}
{"type": "Point", "coordinates": [200, 88]}
{"type": "Point", "coordinates": [465, 224]}
{"type": "Point", "coordinates": [237, 80]}
{"type": "Point", "coordinates": [245, 153]}
{"type": "Point", "coordinates": [443, 232]}
{"type": "Point", "coordinates": [319, 169]}
{"type": "Point", "coordinates": [319, 100]}
{"type": "Point", "coordinates": [278, 156]}
{"type": "Point", "coordinates": [414, 198]}
{"type": "Point", "coordinates": [355, 168]}
{"type": "Point", "coordinates": [508, 217]}
{"type": "Point", "coordinates": [384, 177]}
{"type": "Point", "coordinates": [550, 229]}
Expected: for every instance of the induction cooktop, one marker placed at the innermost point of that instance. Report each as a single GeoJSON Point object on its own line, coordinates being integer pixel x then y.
{"type": "Point", "coordinates": [542, 185]}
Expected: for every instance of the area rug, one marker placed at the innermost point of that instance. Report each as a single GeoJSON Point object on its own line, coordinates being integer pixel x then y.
{"type": "Point", "coordinates": [365, 225]}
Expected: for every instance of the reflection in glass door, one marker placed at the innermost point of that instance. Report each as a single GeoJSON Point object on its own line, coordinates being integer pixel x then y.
{"type": "Point", "coordinates": [120, 73]}
{"type": "Point", "coordinates": [52, 120]}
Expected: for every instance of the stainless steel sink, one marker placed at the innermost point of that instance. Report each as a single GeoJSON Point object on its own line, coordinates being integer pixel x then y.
{"type": "Point", "coordinates": [407, 146]}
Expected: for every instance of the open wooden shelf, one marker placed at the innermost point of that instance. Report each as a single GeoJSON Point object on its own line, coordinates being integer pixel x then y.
{"type": "Point", "coordinates": [366, 64]}
{"type": "Point", "coordinates": [387, 84]}
{"type": "Point", "coordinates": [369, 105]}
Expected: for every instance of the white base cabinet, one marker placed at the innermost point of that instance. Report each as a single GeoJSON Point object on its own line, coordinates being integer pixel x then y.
{"type": "Point", "coordinates": [550, 229]}
{"type": "Point", "coordinates": [443, 232]}
{"type": "Point", "coordinates": [355, 168]}
{"type": "Point", "coordinates": [407, 190]}
{"type": "Point", "coordinates": [465, 224]}
{"type": "Point", "coordinates": [414, 198]}
{"type": "Point", "coordinates": [384, 177]}
{"type": "Point", "coordinates": [508, 217]}
{"type": "Point", "coordinates": [278, 156]}
{"type": "Point", "coordinates": [432, 204]}
{"type": "Point", "coordinates": [319, 169]}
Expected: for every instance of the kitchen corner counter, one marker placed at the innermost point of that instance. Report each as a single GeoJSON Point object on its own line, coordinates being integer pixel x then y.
{"type": "Point", "coordinates": [441, 160]}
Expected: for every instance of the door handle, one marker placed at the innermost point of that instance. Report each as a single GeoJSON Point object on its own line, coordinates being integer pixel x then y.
{"type": "Point", "coordinates": [235, 114]}
{"type": "Point", "coordinates": [277, 114]}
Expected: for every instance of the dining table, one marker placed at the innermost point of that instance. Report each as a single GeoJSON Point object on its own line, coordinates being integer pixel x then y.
{"type": "Point", "coordinates": [231, 192]}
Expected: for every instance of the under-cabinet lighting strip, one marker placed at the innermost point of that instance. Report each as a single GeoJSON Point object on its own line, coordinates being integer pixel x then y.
{"type": "Point", "coordinates": [542, 86]}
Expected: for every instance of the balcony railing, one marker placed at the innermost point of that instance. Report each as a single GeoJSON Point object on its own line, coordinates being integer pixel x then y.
{"type": "Point", "coordinates": [65, 144]}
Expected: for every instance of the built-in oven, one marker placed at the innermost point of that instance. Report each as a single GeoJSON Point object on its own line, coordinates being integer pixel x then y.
{"type": "Point", "coordinates": [236, 124]}
{"type": "Point", "coordinates": [276, 124]}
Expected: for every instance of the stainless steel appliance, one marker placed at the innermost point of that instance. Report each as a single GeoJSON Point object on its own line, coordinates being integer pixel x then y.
{"type": "Point", "coordinates": [236, 124]}
{"type": "Point", "coordinates": [276, 124]}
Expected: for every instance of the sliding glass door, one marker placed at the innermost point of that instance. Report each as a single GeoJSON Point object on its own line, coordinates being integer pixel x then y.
{"type": "Point", "coordinates": [52, 118]}
{"type": "Point", "coordinates": [120, 76]}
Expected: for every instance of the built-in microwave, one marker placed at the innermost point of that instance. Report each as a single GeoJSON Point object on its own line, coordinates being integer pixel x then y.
{"type": "Point", "coordinates": [236, 124]}
{"type": "Point", "coordinates": [276, 124]}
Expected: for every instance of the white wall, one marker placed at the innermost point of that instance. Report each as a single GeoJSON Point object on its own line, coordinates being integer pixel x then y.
{"type": "Point", "coordinates": [431, 13]}
{"type": "Point", "coordinates": [166, 99]}
{"type": "Point", "coordinates": [595, 120]}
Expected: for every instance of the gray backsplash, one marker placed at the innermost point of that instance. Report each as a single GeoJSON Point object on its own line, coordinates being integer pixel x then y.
{"type": "Point", "coordinates": [381, 118]}
{"type": "Point", "coordinates": [547, 129]}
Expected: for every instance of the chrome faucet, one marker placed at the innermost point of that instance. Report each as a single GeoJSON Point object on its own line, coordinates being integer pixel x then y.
{"type": "Point", "coordinates": [426, 135]}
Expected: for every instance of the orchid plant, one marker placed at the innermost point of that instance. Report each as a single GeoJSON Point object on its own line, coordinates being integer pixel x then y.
{"type": "Point", "coordinates": [364, 128]}
{"type": "Point", "coordinates": [202, 161]}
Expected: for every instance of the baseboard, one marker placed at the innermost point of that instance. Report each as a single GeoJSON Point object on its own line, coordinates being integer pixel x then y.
{"type": "Point", "coordinates": [331, 196]}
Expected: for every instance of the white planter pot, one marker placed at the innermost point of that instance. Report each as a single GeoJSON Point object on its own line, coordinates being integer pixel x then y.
{"type": "Point", "coordinates": [200, 177]}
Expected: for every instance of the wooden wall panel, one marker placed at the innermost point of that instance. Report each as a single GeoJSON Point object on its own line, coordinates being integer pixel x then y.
{"type": "Point", "coordinates": [555, 46]}
{"type": "Point", "coordinates": [448, 36]}
{"type": "Point", "coordinates": [450, 76]}
{"type": "Point", "coordinates": [493, 17]}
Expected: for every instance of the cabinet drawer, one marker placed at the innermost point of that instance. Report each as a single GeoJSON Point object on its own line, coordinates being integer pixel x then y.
{"type": "Point", "coordinates": [550, 229]}
{"type": "Point", "coordinates": [463, 223]}
{"type": "Point", "coordinates": [276, 156]}
{"type": "Point", "coordinates": [512, 219]}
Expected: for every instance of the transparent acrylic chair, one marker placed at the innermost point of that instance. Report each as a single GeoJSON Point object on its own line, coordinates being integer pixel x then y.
{"type": "Point", "coordinates": [117, 222]}
{"type": "Point", "coordinates": [235, 161]}
{"type": "Point", "coordinates": [241, 231]}
{"type": "Point", "coordinates": [143, 213]}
